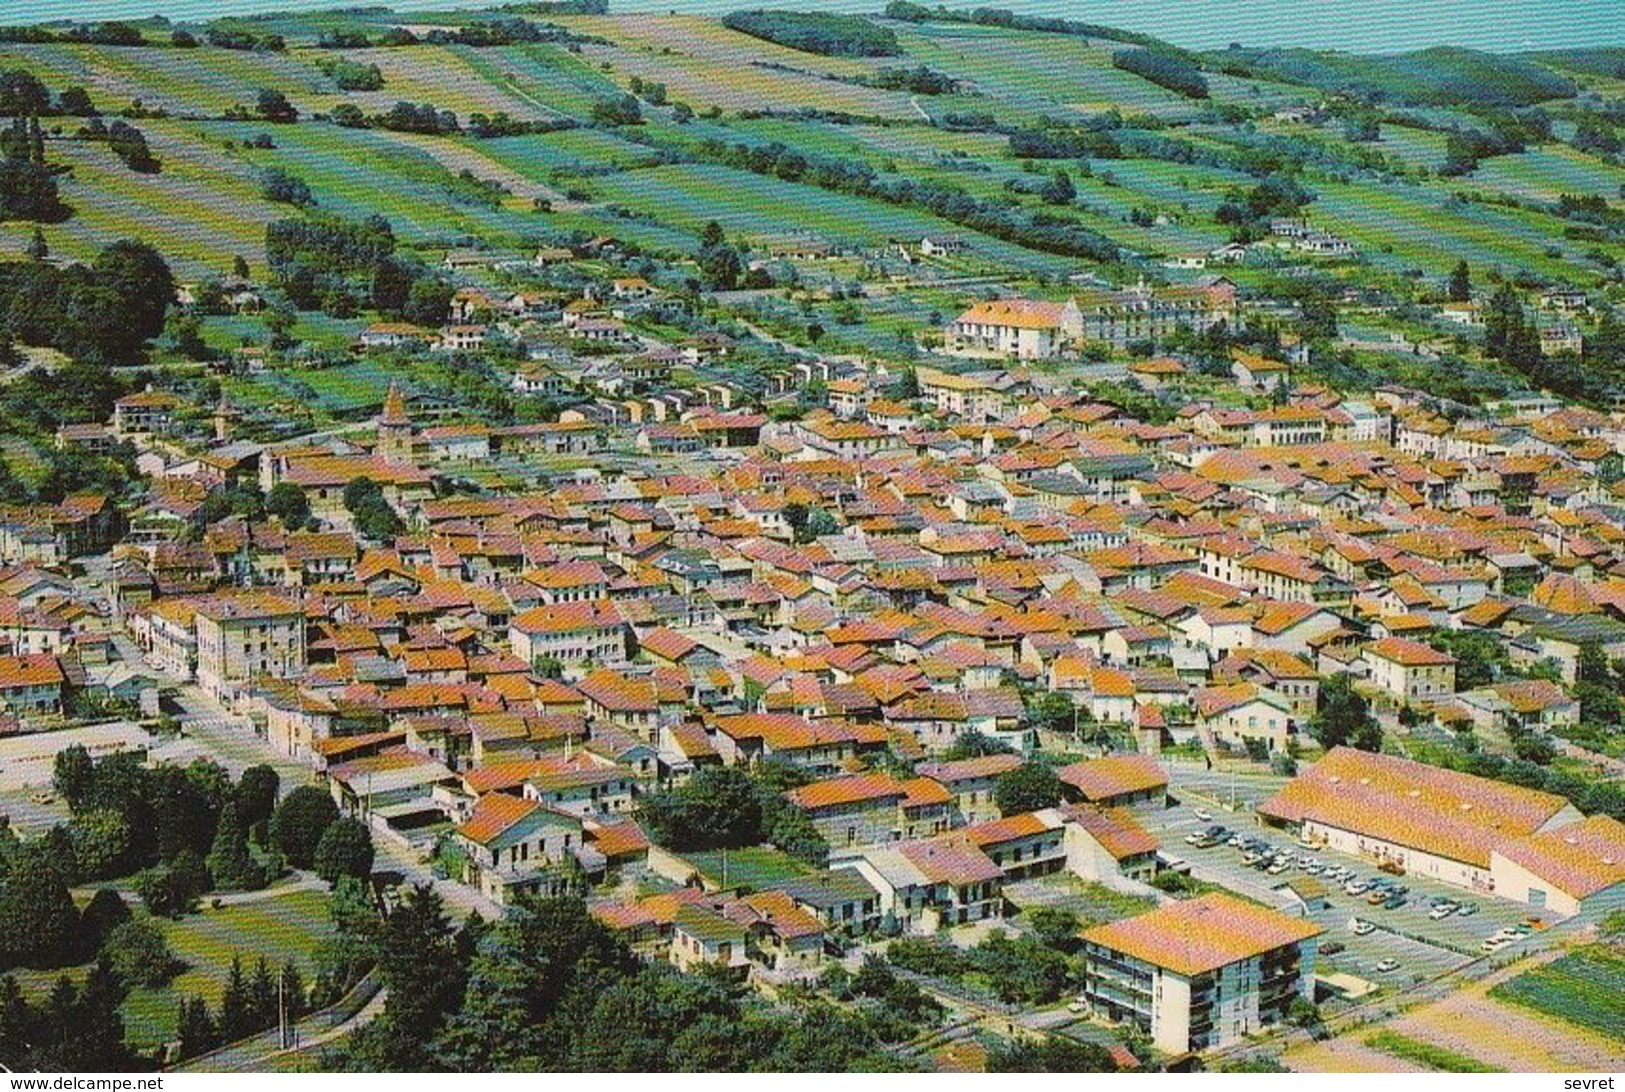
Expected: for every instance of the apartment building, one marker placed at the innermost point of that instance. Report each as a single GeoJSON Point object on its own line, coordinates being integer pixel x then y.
{"type": "Point", "coordinates": [1200, 973]}
{"type": "Point", "coordinates": [249, 636]}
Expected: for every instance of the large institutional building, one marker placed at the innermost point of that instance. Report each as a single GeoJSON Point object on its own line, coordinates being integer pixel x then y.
{"type": "Point", "coordinates": [1038, 329]}
{"type": "Point", "coordinates": [1201, 972]}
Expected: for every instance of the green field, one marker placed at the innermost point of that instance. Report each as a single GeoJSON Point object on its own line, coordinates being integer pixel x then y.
{"type": "Point", "coordinates": [688, 196]}
{"type": "Point", "coordinates": [755, 867]}
{"type": "Point", "coordinates": [1426, 1054]}
{"type": "Point", "coordinates": [1585, 987]}
{"type": "Point", "coordinates": [280, 927]}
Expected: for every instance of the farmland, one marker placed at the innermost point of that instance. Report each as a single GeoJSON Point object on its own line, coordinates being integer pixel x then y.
{"type": "Point", "coordinates": [209, 206]}
{"type": "Point", "coordinates": [1585, 987]}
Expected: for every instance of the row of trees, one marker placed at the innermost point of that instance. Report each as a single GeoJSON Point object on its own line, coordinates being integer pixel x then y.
{"type": "Point", "coordinates": [817, 32]}
{"type": "Point", "coordinates": [248, 1005]}
{"type": "Point", "coordinates": [23, 95]}
{"type": "Point", "coordinates": [1041, 231]}
{"type": "Point", "coordinates": [549, 988]}
{"type": "Point", "coordinates": [28, 189]}
{"type": "Point", "coordinates": [1165, 69]}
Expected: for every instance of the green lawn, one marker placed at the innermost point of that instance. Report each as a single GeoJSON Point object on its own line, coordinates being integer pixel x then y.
{"type": "Point", "coordinates": [1585, 987]}
{"type": "Point", "coordinates": [286, 927]}
{"type": "Point", "coordinates": [281, 927]}
{"type": "Point", "coordinates": [755, 867]}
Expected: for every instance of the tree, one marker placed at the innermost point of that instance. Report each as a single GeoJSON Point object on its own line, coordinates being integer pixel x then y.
{"type": "Point", "coordinates": [1461, 283]}
{"type": "Point", "coordinates": [74, 775]}
{"type": "Point", "coordinates": [1052, 712]}
{"type": "Point", "coordinates": [424, 965]}
{"type": "Point", "coordinates": [908, 385]}
{"type": "Point", "coordinates": [141, 280]}
{"type": "Point", "coordinates": [299, 822]}
{"type": "Point", "coordinates": [1055, 927]}
{"type": "Point", "coordinates": [1481, 657]}
{"type": "Point", "coordinates": [274, 106]}
{"type": "Point", "coordinates": [257, 791]}
{"type": "Point", "coordinates": [105, 912]}
{"type": "Point", "coordinates": [717, 808]}
{"type": "Point", "coordinates": [1059, 190]}
{"type": "Point", "coordinates": [974, 744]}
{"type": "Point", "coordinates": [1049, 1055]}
{"type": "Point", "coordinates": [172, 888]}
{"type": "Point", "coordinates": [284, 188]}
{"type": "Point", "coordinates": [1343, 717]}
{"type": "Point", "coordinates": [102, 842]}
{"type": "Point", "coordinates": [287, 502]}
{"type": "Point", "coordinates": [1027, 788]}
{"type": "Point", "coordinates": [236, 1010]}
{"type": "Point", "coordinates": [617, 111]}
{"type": "Point", "coordinates": [195, 1028]}
{"type": "Point", "coordinates": [230, 862]}
{"type": "Point", "coordinates": [140, 955]}
{"type": "Point", "coordinates": [38, 920]}
{"type": "Point", "coordinates": [545, 957]}
{"type": "Point", "coordinates": [344, 850]}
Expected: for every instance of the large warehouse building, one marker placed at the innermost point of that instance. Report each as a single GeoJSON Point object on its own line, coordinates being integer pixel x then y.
{"type": "Point", "coordinates": [1426, 820]}
{"type": "Point", "coordinates": [1483, 835]}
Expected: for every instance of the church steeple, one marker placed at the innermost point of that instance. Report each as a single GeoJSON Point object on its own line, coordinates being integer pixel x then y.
{"type": "Point", "coordinates": [395, 427]}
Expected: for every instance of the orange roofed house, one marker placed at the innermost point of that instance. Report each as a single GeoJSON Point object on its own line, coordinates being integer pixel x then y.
{"type": "Point", "coordinates": [1202, 972]}
{"type": "Point", "coordinates": [511, 845]}
{"type": "Point", "coordinates": [1021, 328]}
{"type": "Point", "coordinates": [874, 808]}
{"type": "Point", "coordinates": [1115, 781]}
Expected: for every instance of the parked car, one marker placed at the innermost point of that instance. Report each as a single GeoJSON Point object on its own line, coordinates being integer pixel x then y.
{"type": "Point", "coordinates": [1202, 814]}
{"type": "Point", "coordinates": [1467, 909]}
{"type": "Point", "coordinates": [1387, 965]}
{"type": "Point", "coordinates": [1393, 902]}
{"type": "Point", "coordinates": [1332, 947]}
{"type": "Point", "coordinates": [1360, 928]}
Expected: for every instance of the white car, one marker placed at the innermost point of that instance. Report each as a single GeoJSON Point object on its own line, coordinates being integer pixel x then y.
{"type": "Point", "coordinates": [1074, 1007]}
{"type": "Point", "coordinates": [1204, 816]}
{"type": "Point", "coordinates": [1440, 912]}
{"type": "Point", "coordinates": [1356, 887]}
{"type": "Point", "coordinates": [1361, 928]}
{"type": "Point", "coordinates": [1388, 965]}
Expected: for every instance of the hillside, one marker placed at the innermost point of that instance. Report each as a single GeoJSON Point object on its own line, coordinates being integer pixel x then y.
{"type": "Point", "coordinates": [545, 128]}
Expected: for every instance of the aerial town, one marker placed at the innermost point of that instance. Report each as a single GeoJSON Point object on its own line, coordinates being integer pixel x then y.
{"type": "Point", "coordinates": [869, 565]}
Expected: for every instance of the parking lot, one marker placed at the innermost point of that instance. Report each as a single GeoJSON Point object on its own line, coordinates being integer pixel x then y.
{"type": "Point", "coordinates": [1406, 935]}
